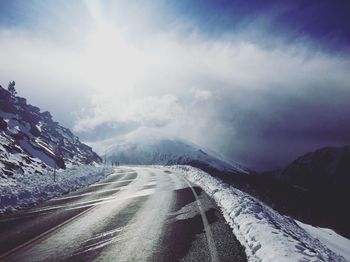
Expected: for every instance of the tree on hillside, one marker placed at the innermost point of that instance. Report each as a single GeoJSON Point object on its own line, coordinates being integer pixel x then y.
{"type": "Point", "coordinates": [11, 87]}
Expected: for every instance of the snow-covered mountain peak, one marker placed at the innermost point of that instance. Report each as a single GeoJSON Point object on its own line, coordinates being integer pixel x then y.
{"type": "Point", "coordinates": [146, 147]}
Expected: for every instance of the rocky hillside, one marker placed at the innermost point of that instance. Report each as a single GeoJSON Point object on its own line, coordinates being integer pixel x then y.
{"type": "Point", "coordinates": [31, 142]}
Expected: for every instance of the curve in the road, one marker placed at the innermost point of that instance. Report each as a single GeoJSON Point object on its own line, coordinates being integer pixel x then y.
{"type": "Point", "coordinates": [138, 214]}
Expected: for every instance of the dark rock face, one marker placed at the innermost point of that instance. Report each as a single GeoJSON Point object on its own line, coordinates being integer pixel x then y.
{"type": "Point", "coordinates": [314, 188]}
{"type": "Point", "coordinates": [323, 169]}
{"type": "Point", "coordinates": [3, 124]}
{"type": "Point", "coordinates": [320, 181]}
{"type": "Point", "coordinates": [30, 141]}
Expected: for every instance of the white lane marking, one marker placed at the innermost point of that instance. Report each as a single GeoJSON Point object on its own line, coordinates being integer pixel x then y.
{"type": "Point", "coordinates": [212, 249]}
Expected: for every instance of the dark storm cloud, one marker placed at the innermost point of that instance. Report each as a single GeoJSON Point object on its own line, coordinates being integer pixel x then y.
{"type": "Point", "coordinates": [280, 125]}
{"type": "Point", "coordinates": [324, 22]}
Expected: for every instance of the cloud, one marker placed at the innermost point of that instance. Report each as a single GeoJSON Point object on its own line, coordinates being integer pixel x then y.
{"type": "Point", "coordinates": [147, 111]}
{"type": "Point", "coordinates": [290, 22]}
{"type": "Point", "coordinates": [201, 94]}
{"type": "Point", "coordinates": [283, 124]}
{"type": "Point", "coordinates": [260, 106]}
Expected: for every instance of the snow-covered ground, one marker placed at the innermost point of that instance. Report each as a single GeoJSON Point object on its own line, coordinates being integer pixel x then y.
{"type": "Point", "coordinates": [22, 190]}
{"type": "Point", "coordinates": [331, 239]}
{"type": "Point", "coordinates": [265, 234]}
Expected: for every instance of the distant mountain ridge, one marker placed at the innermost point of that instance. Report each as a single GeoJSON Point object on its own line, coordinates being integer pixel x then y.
{"type": "Point", "coordinates": [324, 168]}
{"type": "Point", "coordinates": [31, 142]}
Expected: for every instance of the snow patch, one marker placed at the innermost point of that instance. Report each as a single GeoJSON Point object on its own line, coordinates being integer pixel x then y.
{"type": "Point", "coordinates": [337, 243]}
{"type": "Point", "coordinates": [40, 155]}
{"type": "Point", "coordinates": [265, 234]}
{"type": "Point", "coordinates": [25, 190]}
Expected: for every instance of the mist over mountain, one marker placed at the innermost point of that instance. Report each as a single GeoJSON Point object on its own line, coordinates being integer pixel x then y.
{"type": "Point", "coordinates": [149, 147]}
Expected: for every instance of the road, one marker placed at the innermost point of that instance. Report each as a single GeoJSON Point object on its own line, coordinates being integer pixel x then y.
{"type": "Point", "coordinates": [134, 214]}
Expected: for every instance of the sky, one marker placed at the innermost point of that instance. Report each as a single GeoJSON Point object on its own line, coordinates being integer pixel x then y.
{"type": "Point", "coordinates": [261, 82]}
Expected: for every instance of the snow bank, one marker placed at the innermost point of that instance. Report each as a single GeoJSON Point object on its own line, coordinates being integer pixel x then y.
{"type": "Point", "coordinates": [265, 234]}
{"type": "Point", "coordinates": [21, 190]}
{"type": "Point", "coordinates": [337, 243]}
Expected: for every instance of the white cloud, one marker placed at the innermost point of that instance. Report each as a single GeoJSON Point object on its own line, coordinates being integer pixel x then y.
{"type": "Point", "coordinates": [201, 94]}
{"type": "Point", "coordinates": [152, 77]}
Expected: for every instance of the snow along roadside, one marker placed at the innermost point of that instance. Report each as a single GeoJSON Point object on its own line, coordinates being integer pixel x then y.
{"type": "Point", "coordinates": [337, 243]}
{"type": "Point", "coordinates": [20, 190]}
{"type": "Point", "coordinates": [265, 234]}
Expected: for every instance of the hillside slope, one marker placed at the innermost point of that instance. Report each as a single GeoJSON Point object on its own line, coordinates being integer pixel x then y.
{"type": "Point", "coordinates": [315, 188]}
{"type": "Point", "coordinates": [31, 142]}
{"type": "Point", "coordinates": [322, 169]}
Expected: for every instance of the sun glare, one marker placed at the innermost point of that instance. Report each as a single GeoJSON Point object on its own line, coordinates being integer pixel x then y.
{"type": "Point", "coordinates": [107, 57]}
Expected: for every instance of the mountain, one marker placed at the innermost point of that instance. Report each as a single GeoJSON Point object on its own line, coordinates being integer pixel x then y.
{"type": "Point", "coordinates": [31, 142]}
{"type": "Point", "coordinates": [324, 168]}
{"type": "Point", "coordinates": [314, 188]}
{"type": "Point", "coordinates": [144, 148]}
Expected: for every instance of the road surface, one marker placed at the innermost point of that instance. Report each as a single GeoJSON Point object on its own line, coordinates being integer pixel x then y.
{"type": "Point", "coordinates": [135, 214]}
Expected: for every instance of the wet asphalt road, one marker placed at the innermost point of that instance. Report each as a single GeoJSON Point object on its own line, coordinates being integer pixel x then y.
{"type": "Point", "coordinates": [135, 214]}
